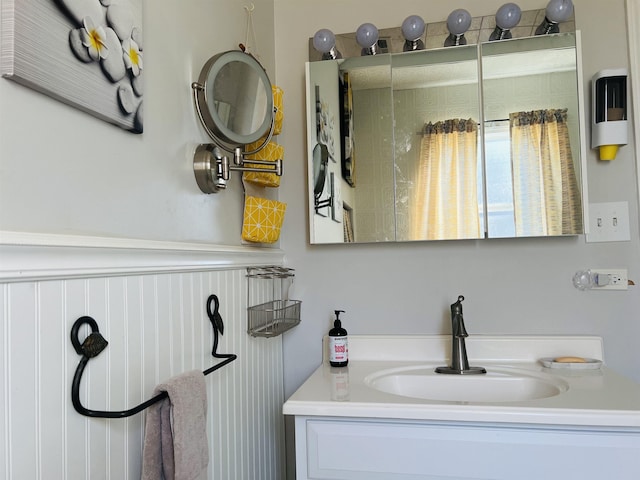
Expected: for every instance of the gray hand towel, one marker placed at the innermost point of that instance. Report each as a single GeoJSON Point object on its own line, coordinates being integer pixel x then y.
{"type": "Point", "coordinates": [175, 440]}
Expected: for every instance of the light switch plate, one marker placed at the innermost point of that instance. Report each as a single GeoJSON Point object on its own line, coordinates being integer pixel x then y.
{"type": "Point", "coordinates": [608, 222]}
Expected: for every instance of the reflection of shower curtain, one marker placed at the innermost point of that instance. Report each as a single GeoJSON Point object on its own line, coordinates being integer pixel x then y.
{"type": "Point", "coordinates": [445, 203]}
{"type": "Point", "coordinates": [546, 196]}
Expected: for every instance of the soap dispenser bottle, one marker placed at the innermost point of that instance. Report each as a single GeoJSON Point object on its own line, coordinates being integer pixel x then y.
{"type": "Point", "coordinates": [338, 343]}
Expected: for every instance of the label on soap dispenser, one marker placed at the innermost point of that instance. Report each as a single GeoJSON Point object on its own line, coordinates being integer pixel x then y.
{"type": "Point", "coordinates": [338, 349]}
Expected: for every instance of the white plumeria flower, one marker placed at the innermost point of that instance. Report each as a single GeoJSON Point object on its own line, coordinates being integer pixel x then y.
{"type": "Point", "coordinates": [132, 56]}
{"type": "Point", "coordinates": [94, 38]}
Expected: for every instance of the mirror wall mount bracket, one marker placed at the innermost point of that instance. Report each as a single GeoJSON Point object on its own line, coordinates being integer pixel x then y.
{"type": "Point", "coordinates": [212, 168]}
{"type": "Point", "coordinates": [326, 203]}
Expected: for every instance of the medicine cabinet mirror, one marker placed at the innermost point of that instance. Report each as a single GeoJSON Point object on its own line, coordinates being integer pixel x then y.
{"type": "Point", "coordinates": [468, 142]}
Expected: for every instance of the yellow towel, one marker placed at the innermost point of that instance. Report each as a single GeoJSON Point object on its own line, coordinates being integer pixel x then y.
{"type": "Point", "coordinates": [271, 152]}
{"type": "Point", "coordinates": [278, 95]}
{"type": "Point", "coordinates": [262, 219]}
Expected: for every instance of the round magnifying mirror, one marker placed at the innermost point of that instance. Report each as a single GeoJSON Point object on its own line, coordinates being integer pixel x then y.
{"type": "Point", "coordinates": [234, 99]}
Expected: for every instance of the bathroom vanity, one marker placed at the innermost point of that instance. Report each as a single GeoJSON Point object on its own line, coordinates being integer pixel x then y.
{"type": "Point", "coordinates": [388, 415]}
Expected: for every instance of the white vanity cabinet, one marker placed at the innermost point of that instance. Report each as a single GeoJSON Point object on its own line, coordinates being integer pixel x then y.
{"type": "Point", "coordinates": [352, 448]}
{"type": "Point", "coordinates": [587, 429]}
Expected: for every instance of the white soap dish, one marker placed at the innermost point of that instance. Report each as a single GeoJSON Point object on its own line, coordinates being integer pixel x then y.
{"type": "Point", "coordinates": [588, 364]}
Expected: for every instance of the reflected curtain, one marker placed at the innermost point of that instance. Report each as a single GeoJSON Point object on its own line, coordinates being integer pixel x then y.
{"type": "Point", "coordinates": [445, 200]}
{"type": "Point", "coordinates": [546, 195]}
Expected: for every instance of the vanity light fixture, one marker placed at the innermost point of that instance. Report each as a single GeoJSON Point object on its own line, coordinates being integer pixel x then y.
{"type": "Point", "coordinates": [324, 41]}
{"type": "Point", "coordinates": [458, 23]}
{"type": "Point", "coordinates": [413, 28]}
{"type": "Point", "coordinates": [367, 38]}
{"type": "Point", "coordinates": [557, 11]}
{"type": "Point", "coordinates": [507, 17]}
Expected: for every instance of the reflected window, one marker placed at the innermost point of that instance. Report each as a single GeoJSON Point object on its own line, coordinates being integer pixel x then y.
{"type": "Point", "coordinates": [547, 199]}
{"type": "Point", "coordinates": [532, 188]}
{"type": "Point", "coordinates": [500, 210]}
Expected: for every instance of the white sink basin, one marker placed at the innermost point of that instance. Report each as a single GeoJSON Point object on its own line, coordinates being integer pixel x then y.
{"type": "Point", "coordinates": [499, 384]}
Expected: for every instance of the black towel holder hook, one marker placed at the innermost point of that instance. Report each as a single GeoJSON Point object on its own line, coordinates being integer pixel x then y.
{"type": "Point", "coordinates": [95, 343]}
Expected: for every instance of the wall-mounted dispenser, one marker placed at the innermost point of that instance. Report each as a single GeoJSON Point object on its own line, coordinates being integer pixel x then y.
{"type": "Point", "coordinates": [609, 117]}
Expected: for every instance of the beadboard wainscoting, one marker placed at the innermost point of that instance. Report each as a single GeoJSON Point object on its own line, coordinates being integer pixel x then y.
{"type": "Point", "coordinates": [155, 321]}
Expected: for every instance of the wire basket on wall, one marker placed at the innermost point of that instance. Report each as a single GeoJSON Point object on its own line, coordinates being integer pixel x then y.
{"type": "Point", "coordinates": [277, 315]}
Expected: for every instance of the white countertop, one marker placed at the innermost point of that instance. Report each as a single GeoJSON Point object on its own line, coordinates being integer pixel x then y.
{"type": "Point", "coordinates": [595, 398]}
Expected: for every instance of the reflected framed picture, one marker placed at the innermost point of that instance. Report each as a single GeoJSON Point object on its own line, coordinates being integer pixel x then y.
{"type": "Point", "coordinates": [85, 53]}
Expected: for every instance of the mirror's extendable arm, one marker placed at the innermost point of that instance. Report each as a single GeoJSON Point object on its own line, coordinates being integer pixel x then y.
{"type": "Point", "coordinates": [237, 156]}
{"type": "Point", "coordinates": [224, 168]}
{"type": "Point", "coordinates": [276, 166]}
{"type": "Point", "coordinates": [239, 160]}
{"type": "Point", "coordinates": [212, 168]}
{"type": "Point", "coordinates": [326, 203]}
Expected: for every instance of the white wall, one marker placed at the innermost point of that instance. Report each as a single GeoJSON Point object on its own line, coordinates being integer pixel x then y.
{"type": "Point", "coordinates": [374, 213]}
{"type": "Point", "coordinates": [511, 286]}
{"type": "Point", "coordinates": [64, 171]}
{"type": "Point", "coordinates": [71, 179]}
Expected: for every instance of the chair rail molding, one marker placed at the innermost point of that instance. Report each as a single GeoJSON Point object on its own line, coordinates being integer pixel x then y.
{"type": "Point", "coordinates": [34, 256]}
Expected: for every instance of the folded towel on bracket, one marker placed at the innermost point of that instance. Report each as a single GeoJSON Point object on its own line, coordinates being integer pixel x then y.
{"type": "Point", "coordinates": [271, 152]}
{"type": "Point", "coordinates": [175, 439]}
{"type": "Point", "coordinates": [262, 219]}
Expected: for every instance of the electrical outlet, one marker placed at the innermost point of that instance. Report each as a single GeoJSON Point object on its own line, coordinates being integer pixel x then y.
{"type": "Point", "coordinates": [613, 279]}
{"type": "Point", "coordinates": [608, 222]}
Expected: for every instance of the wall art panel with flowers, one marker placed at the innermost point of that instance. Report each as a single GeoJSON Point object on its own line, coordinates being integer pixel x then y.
{"type": "Point", "coordinates": [86, 53]}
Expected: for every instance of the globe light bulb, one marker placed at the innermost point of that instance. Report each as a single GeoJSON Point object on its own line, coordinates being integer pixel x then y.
{"type": "Point", "coordinates": [367, 38]}
{"type": "Point", "coordinates": [367, 35]}
{"type": "Point", "coordinates": [324, 41]}
{"type": "Point", "coordinates": [459, 21]}
{"type": "Point", "coordinates": [508, 16]}
{"type": "Point", "coordinates": [413, 28]}
{"type": "Point", "coordinates": [559, 10]}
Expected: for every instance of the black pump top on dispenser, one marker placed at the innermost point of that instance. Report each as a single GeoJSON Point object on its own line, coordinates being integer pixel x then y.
{"type": "Point", "coordinates": [337, 330]}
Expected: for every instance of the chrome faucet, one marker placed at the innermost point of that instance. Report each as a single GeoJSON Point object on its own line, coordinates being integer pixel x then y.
{"type": "Point", "coordinates": [459, 362]}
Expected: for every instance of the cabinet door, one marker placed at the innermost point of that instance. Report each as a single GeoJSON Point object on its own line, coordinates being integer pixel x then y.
{"type": "Point", "coordinates": [532, 123]}
{"type": "Point", "coordinates": [336, 449]}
